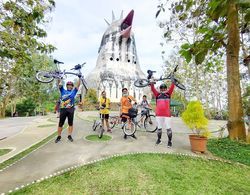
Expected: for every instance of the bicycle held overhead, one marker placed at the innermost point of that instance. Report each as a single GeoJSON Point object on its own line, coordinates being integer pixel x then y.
{"type": "Point", "coordinates": [49, 76]}
{"type": "Point", "coordinates": [146, 82]}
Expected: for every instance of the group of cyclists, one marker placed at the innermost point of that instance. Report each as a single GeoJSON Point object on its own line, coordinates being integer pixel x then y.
{"type": "Point", "coordinates": [162, 111]}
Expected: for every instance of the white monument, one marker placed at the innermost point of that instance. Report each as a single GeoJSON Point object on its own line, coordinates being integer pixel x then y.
{"type": "Point", "coordinates": [117, 65]}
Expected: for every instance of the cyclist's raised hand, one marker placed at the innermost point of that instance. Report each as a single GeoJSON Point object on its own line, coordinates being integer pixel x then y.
{"type": "Point", "coordinates": [152, 80]}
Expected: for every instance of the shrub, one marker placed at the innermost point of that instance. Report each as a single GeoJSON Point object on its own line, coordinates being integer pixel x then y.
{"type": "Point", "coordinates": [195, 119]}
{"type": "Point", "coordinates": [26, 107]}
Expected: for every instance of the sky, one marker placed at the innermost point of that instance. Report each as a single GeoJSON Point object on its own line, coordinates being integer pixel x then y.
{"type": "Point", "coordinates": [77, 27]}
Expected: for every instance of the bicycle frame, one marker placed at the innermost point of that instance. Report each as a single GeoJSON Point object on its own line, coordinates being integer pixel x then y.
{"type": "Point", "coordinates": [57, 74]}
{"type": "Point", "coordinates": [143, 116]}
{"type": "Point", "coordinates": [146, 82]}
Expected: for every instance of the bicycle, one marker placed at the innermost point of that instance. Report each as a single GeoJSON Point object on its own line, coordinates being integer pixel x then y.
{"type": "Point", "coordinates": [146, 82]}
{"type": "Point", "coordinates": [98, 124]}
{"type": "Point", "coordinates": [149, 123]}
{"type": "Point", "coordinates": [114, 121]}
{"type": "Point", "coordinates": [49, 76]}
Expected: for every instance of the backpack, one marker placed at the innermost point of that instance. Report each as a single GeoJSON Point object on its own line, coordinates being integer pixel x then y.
{"type": "Point", "coordinates": [132, 112]}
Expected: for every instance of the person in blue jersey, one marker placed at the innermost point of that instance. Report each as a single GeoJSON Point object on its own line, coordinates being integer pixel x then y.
{"type": "Point", "coordinates": [67, 107]}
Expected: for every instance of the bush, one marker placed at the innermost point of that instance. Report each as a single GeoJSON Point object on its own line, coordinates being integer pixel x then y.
{"type": "Point", "coordinates": [195, 119]}
{"type": "Point", "coordinates": [26, 107]}
{"type": "Point", "coordinates": [91, 96]}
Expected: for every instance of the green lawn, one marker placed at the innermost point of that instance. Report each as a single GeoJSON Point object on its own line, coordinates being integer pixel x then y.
{"type": "Point", "coordinates": [230, 150]}
{"type": "Point", "coordinates": [47, 125]}
{"type": "Point", "coordinates": [96, 138]}
{"type": "Point", "coordinates": [149, 174]}
{"type": "Point", "coordinates": [4, 151]}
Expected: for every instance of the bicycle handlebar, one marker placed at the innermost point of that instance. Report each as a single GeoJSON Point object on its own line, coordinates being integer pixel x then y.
{"type": "Point", "coordinates": [78, 66]}
{"type": "Point", "coordinates": [150, 74]}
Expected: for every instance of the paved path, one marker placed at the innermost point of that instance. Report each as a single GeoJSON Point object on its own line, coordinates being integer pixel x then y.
{"type": "Point", "coordinates": [54, 157]}
{"type": "Point", "coordinates": [29, 132]}
{"type": "Point", "coordinates": [12, 126]}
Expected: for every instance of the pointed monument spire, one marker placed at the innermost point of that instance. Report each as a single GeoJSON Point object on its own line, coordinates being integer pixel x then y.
{"type": "Point", "coordinates": [113, 16]}
{"type": "Point", "coordinates": [121, 15]}
{"type": "Point", "coordinates": [107, 22]}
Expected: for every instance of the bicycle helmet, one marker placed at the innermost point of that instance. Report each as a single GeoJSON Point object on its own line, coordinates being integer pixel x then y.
{"type": "Point", "coordinates": [163, 86]}
{"type": "Point", "coordinates": [70, 83]}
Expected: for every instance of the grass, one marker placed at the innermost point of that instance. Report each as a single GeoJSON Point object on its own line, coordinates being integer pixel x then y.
{"type": "Point", "coordinates": [230, 150]}
{"type": "Point", "coordinates": [96, 138]}
{"type": "Point", "coordinates": [25, 152]}
{"type": "Point", "coordinates": [47, 125]}
{"type": "Point", "coordinates": [4, 151]}
{"type": "Point", "coordinates": [149, 174]}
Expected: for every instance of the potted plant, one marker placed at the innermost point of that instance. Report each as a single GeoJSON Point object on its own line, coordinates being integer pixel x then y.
{"type": "Point", "coordinates": [195, 119]}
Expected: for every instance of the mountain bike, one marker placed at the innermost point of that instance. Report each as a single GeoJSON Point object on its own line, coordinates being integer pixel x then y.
{"type": "Point", "coordinates": [97, 125]}
{"type": "Point", "coordinates": [49, 76]}
{"type": "Point", "coordinates": [146, 82]}
{"type": "Point", "coordinates": [114, 121]}
{"type": "Point", "coordinates": [149, 123]}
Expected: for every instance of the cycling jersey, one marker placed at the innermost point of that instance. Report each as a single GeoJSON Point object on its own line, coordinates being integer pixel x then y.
{"type": "Point", "coordinates": [106, 102]}
{"type": "Point", "coordinates": [144, 104]}
{"type": "Point", "coordinates": [163, 101]}
{"type": "Point", "coordinates": [126, 103]}
{"type": "Point", "coordinates": [68, 97]}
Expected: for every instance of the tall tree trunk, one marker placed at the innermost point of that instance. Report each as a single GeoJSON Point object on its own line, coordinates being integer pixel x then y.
{"type": "Point", "coordinates": [236, 126]}
{"type": "Point", "coordinates": [3, 106]}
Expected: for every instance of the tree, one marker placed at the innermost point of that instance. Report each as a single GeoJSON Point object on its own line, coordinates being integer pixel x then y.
{"type": "Point", "coordinates": [91, 96]}
{"type": "Point", "coordinates": [20, 32]}
{"type": "Point", "coordinates": [218, 31]}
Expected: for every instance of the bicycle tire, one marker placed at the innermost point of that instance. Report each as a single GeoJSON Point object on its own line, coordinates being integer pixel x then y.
{"type": "Point", "coordinates": [44, 77]}
{"type": "Point", "coordinates": [179, 85]}
{"type": "Point", "coordinates": [101, 131]}
{"type": "Point", "coordinates": [129, 130]}
{"type": "Point", "coordinates": [150, 123]}
{"type": "Point", "coordinates": [94, 126]}
{"type": "Point", "coordinates": [141, 83]}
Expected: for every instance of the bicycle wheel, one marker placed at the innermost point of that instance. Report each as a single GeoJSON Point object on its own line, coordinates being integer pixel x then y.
{"type": "Point", "coordinates": [101, 131]}
{"type": "Point", "coordinates": [179, 85]}
{"type": "Point", "coordinates": [94, 126]}
{"type": "Point", "coordinates": [44, 77]}
{"type": "Point", "coordinates": [150, 123]}
{"type": "Point", "coordinates": [112, 122]}
{"type": "Point", "coordinates": [141, 83]}
{"type": "Point", "coordinates": [129, 128]}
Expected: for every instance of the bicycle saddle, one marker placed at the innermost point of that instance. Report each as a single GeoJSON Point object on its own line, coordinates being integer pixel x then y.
{"type": "Point", "coordinates": [150, 73]}
{"type": "Point", "coordinates": [57, 62]}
